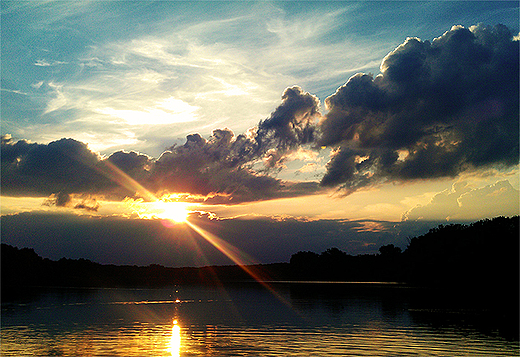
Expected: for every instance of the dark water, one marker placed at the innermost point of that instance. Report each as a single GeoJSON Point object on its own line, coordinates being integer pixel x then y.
{"type": "Point", "coordinates": [288, 319]}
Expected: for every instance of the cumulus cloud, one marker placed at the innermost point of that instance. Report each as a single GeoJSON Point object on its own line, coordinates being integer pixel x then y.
{"type": "Point", "coordinates": [291, 125]}
{"type": "Point", "coordinates": [464, 203]}
{"type": "Point", "coordinates": [135, 165]}
{"type": "Point", "coordinates": [59, 199]}
{"type": "Point", "coordinates": [435, 110]}
{"type": "Point", "coordinates": [216, 166]}
{"type": "Point", "coordinates": [62, 199]}
{"type": "Point", "coordinates": [65, 166]}
{"type": "Point", "coordinates": [220, 167]}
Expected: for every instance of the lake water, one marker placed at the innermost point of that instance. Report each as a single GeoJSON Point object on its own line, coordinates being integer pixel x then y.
{"type": "Point", "coordinates": [286, 319]}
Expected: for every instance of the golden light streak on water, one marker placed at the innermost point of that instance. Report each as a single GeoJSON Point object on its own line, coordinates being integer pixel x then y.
{"type": "Point", "coordinates": [175, 341]}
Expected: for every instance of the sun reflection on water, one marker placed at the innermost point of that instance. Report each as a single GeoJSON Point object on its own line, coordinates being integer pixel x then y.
{"type": "Point", "coordinates": [175, 342]}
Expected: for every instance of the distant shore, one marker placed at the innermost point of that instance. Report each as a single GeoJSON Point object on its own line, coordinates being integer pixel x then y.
{"type": "Point", "coordinates": [481, 257]}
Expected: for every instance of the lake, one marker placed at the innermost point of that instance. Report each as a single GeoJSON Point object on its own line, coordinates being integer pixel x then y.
{"type": "Point", "coordinates": [249, 319]}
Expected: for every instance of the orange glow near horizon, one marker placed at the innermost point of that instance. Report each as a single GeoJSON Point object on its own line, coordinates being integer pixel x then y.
{"type": "Point", "coordinates": [176, 212]}
{"type": "Point", "coordinates": [149, 206]}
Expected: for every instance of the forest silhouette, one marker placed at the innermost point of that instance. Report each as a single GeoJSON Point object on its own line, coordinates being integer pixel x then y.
{"type": "Point", "coordinates": [483, 255]}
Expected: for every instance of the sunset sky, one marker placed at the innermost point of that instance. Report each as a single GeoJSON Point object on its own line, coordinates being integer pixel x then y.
{"type": "Point", "coordinates": [195, 133]}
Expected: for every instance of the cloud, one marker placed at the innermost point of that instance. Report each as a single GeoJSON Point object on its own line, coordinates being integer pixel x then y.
{"type": "Point", "coordinates": [113, 240]}
{"type": "Point", "coordinates": [292, 123]}
{"type": "Point", "coordinates": [435, 110]}
{"type": "Point", "coordinates": [167, 111]}
{"type": "Point", "coordinates": [220, 167]}
{"type": "Point", "coordinates": [66, 166]}
{"type": "Point", "coordinates": [59, 199]}
{"type": "Point", "coordinates": [111, 81]}
{"type": "Point", "coordinates": [62, 199]}
{"type": "Point", "coordinates": [213, 167]}
{"type": "Point", "coordinates": [465, 203]}
{"type": "Point", "coordinates": [489, 201]}
{"type": "Point", "coordinates": [134, 164]}
{"type": "Point", "coordinates": [290, 126]}
{"type": "Point", "coordinates": [46, 63]}
{"type": "Point", "coordinates": [67, 169]}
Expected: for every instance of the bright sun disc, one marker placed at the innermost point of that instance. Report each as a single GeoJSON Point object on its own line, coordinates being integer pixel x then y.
{"type": "Point", "coordinates": [173, 211]}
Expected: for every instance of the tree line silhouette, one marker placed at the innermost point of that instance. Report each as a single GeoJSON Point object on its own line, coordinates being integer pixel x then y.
{"type": "Point", "coordinates": [484, 253]}
{"type": "Point", "coordinates": [24, 268]}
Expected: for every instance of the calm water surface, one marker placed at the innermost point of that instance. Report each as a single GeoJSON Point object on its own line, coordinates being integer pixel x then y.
{"type": "Point", "coordinates": [292, 319]}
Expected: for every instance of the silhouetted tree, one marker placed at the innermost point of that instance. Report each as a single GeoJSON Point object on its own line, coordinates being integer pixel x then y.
{"type": "Point", "coordinates": [485, 252]}
{"type": "Point", "coordinates": [335, 263]}
{"type": "Point", "coordinates": [389, 250]}
{"type": "Point", "coordinates": [305, 265]}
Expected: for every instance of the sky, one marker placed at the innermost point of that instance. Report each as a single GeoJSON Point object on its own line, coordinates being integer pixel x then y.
{"type": "Point", "coordinates": [188, 133]}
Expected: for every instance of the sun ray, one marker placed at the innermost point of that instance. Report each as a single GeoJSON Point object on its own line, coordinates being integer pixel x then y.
{"type": "Point", "coordinates": [153, 207]}
{"type": "Point", "coordinates": [117, 175]}
{"type": "Point", "coordinates": [176, 213]}
{"type": "Point", "coordinates": [173, 211]}
{"type": "Point", "coordinates": [243, 260]}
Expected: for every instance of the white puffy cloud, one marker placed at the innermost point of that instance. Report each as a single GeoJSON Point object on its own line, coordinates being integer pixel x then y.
{"type": "Point", "coordinates": [463, 203]}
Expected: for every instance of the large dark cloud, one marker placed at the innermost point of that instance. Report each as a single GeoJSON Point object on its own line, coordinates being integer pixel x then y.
{"type": "Point", "coordinates": [65, 165]}
{"type": "Point", "coordinates": [113, 240]}
{"type": "Point", "coordinates": [290, 126]}
{"type": "Point", "coordinates": [219, 168]}
{"type": "Point", "coordinates": [435, 110]}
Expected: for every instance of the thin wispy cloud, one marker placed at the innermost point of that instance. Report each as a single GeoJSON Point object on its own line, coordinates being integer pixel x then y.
{"type": "Point", "coordinates": [251, 56]}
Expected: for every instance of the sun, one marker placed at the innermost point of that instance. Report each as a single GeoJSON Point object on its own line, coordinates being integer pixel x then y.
{"type": "Point", "coordinates": [172, 211]}
{"type": "Point", "coordinates": [167, 210]}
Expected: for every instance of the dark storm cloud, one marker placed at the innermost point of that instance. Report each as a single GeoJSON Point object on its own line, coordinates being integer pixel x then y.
{"type": "Point", "coordinates": [62, 199]}
{"type": "Point", "coordinates": [66, 170]}
{"type": "Point", "coordinates": [216, 166]}
{"type": "Point", "coordinates": [67, 167]}
{"type": "Point", "coordinates": [291, 125]}
{"type": "Point", "coordinates": [437, 109]}
{"type": "Point", "coordinates": [220, 167]}
{"type": "Point", "coordinates": [132, 163]}
{"type": "Point", "coordinates": [59, 199]}
{"type": "Point", "coordinates": [61, 167]}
